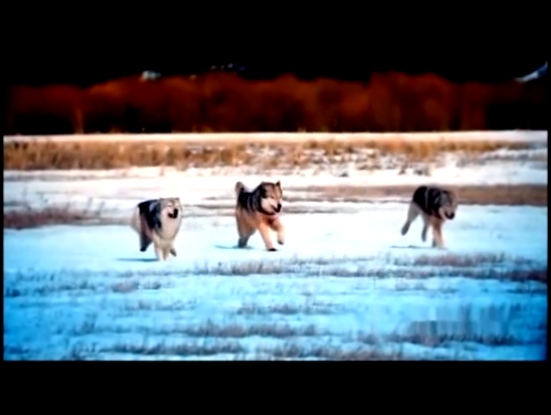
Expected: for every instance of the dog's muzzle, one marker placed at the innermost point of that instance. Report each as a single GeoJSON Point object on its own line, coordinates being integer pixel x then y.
{"type": "Point", "coordinates": [450, 215]}
{"type": "Point", "coordinates": [174, 214]}
{"type": "Point", "coordinates": [278, 208]}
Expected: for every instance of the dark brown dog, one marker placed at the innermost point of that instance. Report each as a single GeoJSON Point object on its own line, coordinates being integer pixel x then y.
{"type": "Point", "coordinates": [435, 205]}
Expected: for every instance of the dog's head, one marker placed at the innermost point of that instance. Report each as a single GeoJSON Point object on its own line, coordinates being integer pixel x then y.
{"type": "Point", "coordinates": [170, 207]}
{"type": "Point", "coordinates": [271, 196]}
{"type": "Point", "coordinates": [448, 204]}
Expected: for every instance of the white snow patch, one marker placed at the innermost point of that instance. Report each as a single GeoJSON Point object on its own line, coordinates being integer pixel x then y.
{"type": "Point", "coordinates": [341, 279]}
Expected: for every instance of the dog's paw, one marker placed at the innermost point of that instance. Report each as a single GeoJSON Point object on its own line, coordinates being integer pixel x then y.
{"type": "Point", "coordinates": [272, 249]}
{"type": "Point", "coordinates": [404, 230]}
{"type": "Point", "coordinates": [142, 249]}
{"type": "Point", "coordinates": [281, 242]}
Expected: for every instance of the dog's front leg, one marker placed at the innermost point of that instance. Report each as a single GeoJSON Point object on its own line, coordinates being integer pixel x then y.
{"type": "Point", "coordinates": [425, 228]}
{"type": "Point", "coordinates": [159, 252]}
{"type": "Point", "coordinates": [437, 240]}
{"type": "Point", "coordinates": [413, 212]}
{"type": "Point", "coordinates": [277, 226]}
{"type": "Point", "coordinates": [263, 229]}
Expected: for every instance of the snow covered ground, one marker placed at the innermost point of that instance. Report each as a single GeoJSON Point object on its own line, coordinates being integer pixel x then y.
{"type": "Point", "coordinates": [342, 283]}
{"type": "Point", "coordinates": [346, 285]}
{"type": "Point", "coordinates": [202, 190]}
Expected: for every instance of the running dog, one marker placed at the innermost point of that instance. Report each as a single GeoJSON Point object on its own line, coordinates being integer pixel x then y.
{"type": "Point", "coordinates": [436, 205]}
{"type": "Point", "coordinates": [158, 221]}
{"type": "Point", "coordinates": [259, 210]}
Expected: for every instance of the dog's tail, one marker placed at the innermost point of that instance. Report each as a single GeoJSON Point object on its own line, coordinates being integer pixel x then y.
{"type": "Point", "coordinates": [135, 221]}
{"type": "Point", "coordinates": [239, 187]}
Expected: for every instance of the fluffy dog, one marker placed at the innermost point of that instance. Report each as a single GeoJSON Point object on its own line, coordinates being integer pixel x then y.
{"type": "Point", "coordinates": [436, 205]}
{"type": "Point", "coordinates": [259, 209]}
{"type": "Point", "coordinates": [158, 221]}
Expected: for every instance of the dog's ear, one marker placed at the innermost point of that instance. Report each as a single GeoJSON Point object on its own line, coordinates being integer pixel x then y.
{"type": "Point", "coordinates": [278, 184]}
{"type": "Point", "coordinates": [451, 197]}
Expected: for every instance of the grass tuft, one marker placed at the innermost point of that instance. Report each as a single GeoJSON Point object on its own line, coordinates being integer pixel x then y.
{"type": "Point", "coordinates": [404, 269]}
{"type": "Point", "coordinates": [125, 287]}
{"type": "Point", "coordinates": [469, 326]}
{"type": "Point", "coordinates": [467, 260]}
{"type": "Point", "coordinates": [185, 349]}
{"type": "Point", "coordinates": [210, 329]}
{"type": "Point", "coordinates": [285, 309]}
{"type": "Point", "coordinates": [26, 216]}
{"type": "Point", "coordinates": [299, 352]}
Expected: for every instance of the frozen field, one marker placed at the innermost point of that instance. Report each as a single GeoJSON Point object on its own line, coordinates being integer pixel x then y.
{"type": "Point", "coordinates": [346, 285]}
{"type": "Point", "coordinates": [342, 283]}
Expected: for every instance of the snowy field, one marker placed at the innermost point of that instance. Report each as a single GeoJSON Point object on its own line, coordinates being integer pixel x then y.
{"type": "Point", "coordinates": [346, 285]}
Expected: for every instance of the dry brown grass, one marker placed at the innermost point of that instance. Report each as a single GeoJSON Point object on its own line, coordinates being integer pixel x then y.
{"type": "Point", "coordinates": [420, 150]}
{"type": "Point", "coordinates": [125, 287]}
{"type": "Point", "coordinates": [298, 352]}
{"type": "Point", "coordinates": [473, 260]}
{"type": "Point", "coordinates": [26, 216]}
{"type": "Point", "coordinates": [524, 194]}
{"type": "Point", "coordinates": [409, 272]}
{"type": "Point", "coordinates": [490, 326]}
{"type": "Point", "coordinates": [291, 351]}
{"type": "Point", "coordinates": [81, 285]}
{"type": "Point", "coordinates": [489, 267]}
{"type": "Point", "coordinates": [146, 306]}
{"type": "Point", "coordinates": [471, 326]}
{"type": "Point", "coordinates": [286, 309]}
{"type": "Point", "coordinates": [179, 349]}
{"type": "Point", "coordinates": [49, 288]}
{"type": "Point", "coordinates": [110, 155]}
{"type": "Point", "coordinates": [479, 273]}
{"type": "Point", "coordinates": [210, 329]}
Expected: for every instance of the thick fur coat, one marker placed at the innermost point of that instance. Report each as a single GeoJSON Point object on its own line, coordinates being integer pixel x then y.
{"type": "Point", "coordinates": [158, 221]}
{"type": "Point", "coordinates": [435, 205]}
{"type": "Point", "coordinates": [260, 210]}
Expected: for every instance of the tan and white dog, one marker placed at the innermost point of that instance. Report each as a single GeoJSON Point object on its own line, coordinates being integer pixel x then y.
{"type": "Point", "coordinates": [259, 210]}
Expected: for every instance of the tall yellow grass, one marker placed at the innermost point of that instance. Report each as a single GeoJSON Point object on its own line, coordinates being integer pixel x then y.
{"type": "Point", "coordinates": [110, 155]}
